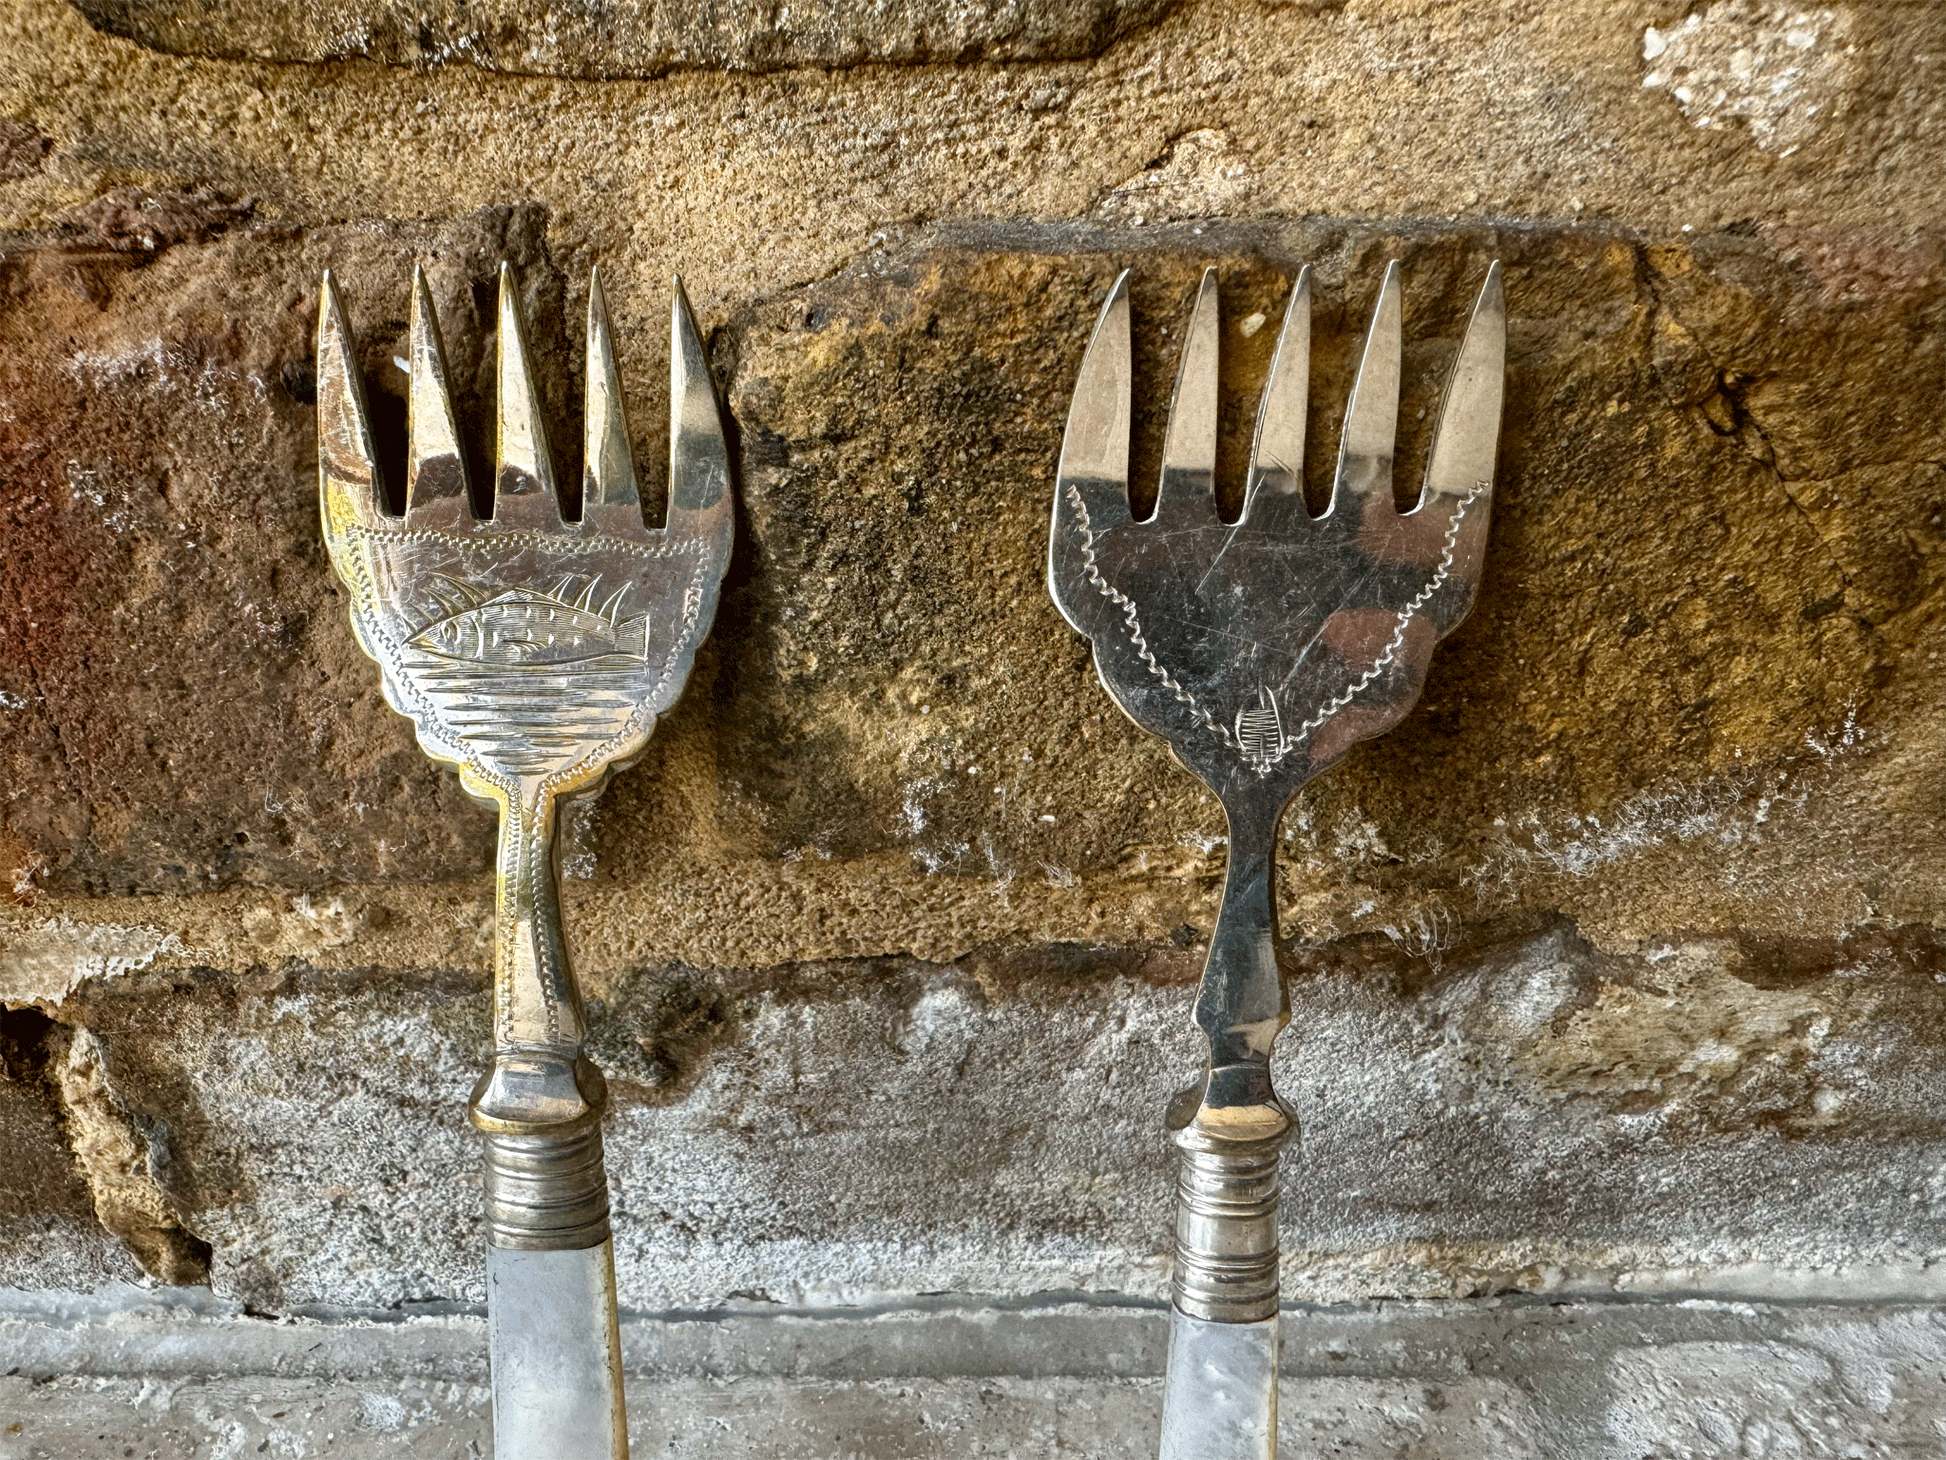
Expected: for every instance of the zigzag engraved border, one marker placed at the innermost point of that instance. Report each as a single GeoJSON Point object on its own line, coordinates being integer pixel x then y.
{"type": "Point", "coordinates": [1091, 570]}
{"type": "Point", "coordinates": [372, 622]}
{"type": "Point", "coordinates": [1122, 601]}
{"type": "Point", "coordinates": [1406, 615]}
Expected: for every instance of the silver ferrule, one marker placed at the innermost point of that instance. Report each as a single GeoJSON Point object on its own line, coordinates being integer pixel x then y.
{"type": "Point", "coordinates": [1226, 1225]}
{"type": "Point", "coordinates": [546, 1192]}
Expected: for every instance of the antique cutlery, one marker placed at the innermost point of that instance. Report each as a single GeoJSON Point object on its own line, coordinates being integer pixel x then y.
{"type": "Point", "coordinates": [534, 654]}
{"type": "Point", "coordinates": [1261, 650]}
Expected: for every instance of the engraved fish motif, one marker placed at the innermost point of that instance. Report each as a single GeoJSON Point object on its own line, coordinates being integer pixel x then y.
{"type": "Point", "coordinates": [530, 626]}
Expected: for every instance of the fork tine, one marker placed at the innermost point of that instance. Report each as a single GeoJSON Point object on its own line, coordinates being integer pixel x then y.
{"type": "Point", "coordinates": [1274, 493]}
{"type": "Point", "coordinates": [435, 471]}
{"type": "Point", "coordinates": [347, 462]}
{"type": "Point", "coordinates": [524, 494]}
{"type": "Point", "coordinates": [699, 456]}
{"type": "Point", "coordinates": [1467, 436]}
{"type": "Point", "coordinates": [1364, 480]}
{"type": "Point", "coordinates": [1188, 490]}
{"type": "Point", "coordinates": [608, 472]}
{"type": "Point", "coordinates": [1091, 484]}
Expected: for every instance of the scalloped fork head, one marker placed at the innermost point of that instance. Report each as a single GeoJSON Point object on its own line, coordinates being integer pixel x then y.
{"type": "Point", "coordinates": [1263, 649]}
{"type": "Point", "coordinates": [532, 652]}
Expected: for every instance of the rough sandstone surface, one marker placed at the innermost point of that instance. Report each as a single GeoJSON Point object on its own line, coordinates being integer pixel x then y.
{"type": "Point", "coordinates": [1617, 966]}
{"type": "Point", "coordinates": [1689, 692]}
{"type": "Point", "coordinates": [1685, 718]}
{"type": "Point", "coordinates": [630, 39]}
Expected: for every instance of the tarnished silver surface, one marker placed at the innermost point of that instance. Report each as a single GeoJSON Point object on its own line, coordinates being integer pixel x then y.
{"type": "Point", "coordinates": [550, 1328]}
{"type": "Point", "coordinates": [1219, 1398]}
{"type": "Point", "coordinates": [1263, 650]}
{"type": "Point", "coordinates": [534, 654]}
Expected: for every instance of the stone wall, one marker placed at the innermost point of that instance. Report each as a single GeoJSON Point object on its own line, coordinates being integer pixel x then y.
{"type": "Point", "coordinates": [1617, 968]}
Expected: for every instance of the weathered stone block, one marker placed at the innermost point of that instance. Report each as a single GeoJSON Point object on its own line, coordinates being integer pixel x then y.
{"type": "Point", "coordinates": [632, 38]}
{"type": "Point", "coordinates": [1712, 557]}
{"type": "Point", "coordinates": [165, 716]}
{"type": "Point", "coordinates": [1660, 618]}
{"type": "Point", "coordinates": [49, 1234]}
{"type": "Point", "coordinates": [1520, 1114]}
{"type": "Point", "coordinates": [1693, 697]}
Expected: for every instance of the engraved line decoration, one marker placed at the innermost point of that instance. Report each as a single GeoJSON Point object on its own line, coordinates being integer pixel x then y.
{"type": "Point", "coordinates": [1259, 737]}
{"type": "Point", "coordinates": [534, 651]}
{"type": "Point", "coordinates": [1260, 732]}
{"type": "Point", "coordinates": [513, 683]}
{"type": "Point", "coordinates": [1406, 615]}
{"type": "Point", "coordinates": [530, 626]}
{"type": "Point", "coordinates": [1231, 619]}
{"type": "Point", "coordinates": [553, 978]}
{"type": "Point", "coordinates": [1134, 626]}
{"type": "Point", "coordinates": [488, 691]}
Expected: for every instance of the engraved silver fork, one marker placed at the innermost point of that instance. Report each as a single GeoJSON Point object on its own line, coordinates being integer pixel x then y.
{"type": "Point", "coordinates": [534, 654]}
{"type": "Point", "coordinates": [1261, 650]}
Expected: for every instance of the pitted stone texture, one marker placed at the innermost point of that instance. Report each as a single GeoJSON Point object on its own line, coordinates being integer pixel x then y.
{"type": "Point", "coordinates": [39, 1178]}
{"type": "Point", "coordinates": [49, 1234]}
{"type": "Point", "coordinates": [633, 38]}
{"type": "Point", "coordinates": [1692, 695]}
{"type": "Point", "coordinates": [23, 150]}
{"type": "Point", "coordinates": [748, 184]}
{"type": "Point", "coordinates": [1711, 559]}
{"type": "Point", "coordinates": [322, 1169]}
{"type": "Point", "coordinates": [122, 1156]}
{"type": "Point", "coordinates": [318, 1143]}
{"type": "Point", "coordinates": [1525, 1114]}
{"type": "Point", "coordinates": [1783, 71]}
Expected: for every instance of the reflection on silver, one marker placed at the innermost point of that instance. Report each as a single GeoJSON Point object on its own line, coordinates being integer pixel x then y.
{"type": "Point", "coordinates": [1263, 650]}
{"type": "Point", "coordinates": [534, 654]}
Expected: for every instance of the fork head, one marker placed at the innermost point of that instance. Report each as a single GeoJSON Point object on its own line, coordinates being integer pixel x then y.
{"type": "Point", "coordinates": [532, 652]}
{"type": "Point", "coordinates": [1263, 649]}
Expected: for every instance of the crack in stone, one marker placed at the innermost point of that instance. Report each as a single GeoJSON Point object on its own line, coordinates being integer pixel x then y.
{"type": "Point", "coordinates": [1734, 396]}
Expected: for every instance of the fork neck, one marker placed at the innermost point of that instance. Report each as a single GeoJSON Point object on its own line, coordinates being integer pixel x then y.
{"type": "Point", "coordinates": [536, 1003]}
{"type": "Point", "coordinates": [540, 1103]}
{"type": "Point", "coordinates": [1230, 1125]}
{"type": "Point", "coordinates": [1242, 1006]}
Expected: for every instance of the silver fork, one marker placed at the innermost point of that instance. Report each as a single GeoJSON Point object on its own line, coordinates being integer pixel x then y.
{"type": "Point", "coordinates": [534, 654]}
{"type": "Point", "coordinates": [1261, 650]}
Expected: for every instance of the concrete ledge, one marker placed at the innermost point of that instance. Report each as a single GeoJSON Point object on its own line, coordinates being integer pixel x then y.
{"type": "Point", "coordinates": [87, 1376]}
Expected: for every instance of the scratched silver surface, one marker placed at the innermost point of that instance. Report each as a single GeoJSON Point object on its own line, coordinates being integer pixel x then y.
{"type": "Point", "coordinates": [529, 651]}
{"type": "Point", "coordinates": [1264, 649]}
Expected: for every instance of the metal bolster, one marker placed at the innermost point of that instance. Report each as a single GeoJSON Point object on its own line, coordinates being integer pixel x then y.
{"type": "Point", "coordinates": [1226, 1221]}
{"type": "Point", "coordinates": [546, 1187]}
